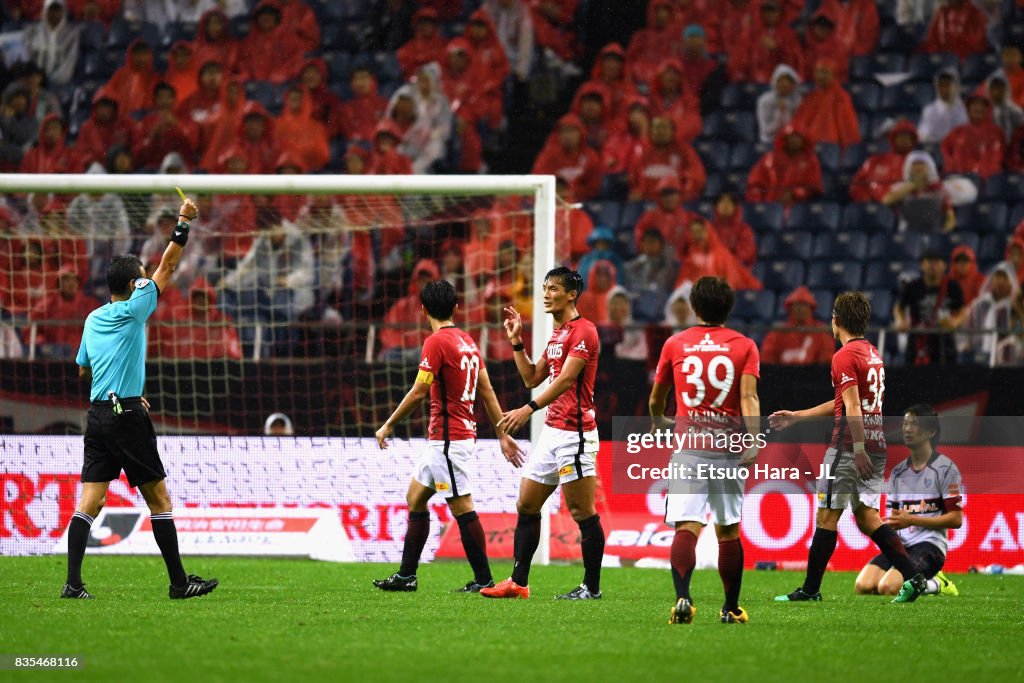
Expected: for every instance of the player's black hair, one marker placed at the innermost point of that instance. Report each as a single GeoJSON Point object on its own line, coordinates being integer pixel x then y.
{"type": "Point", "coordinates": [712, 299]}
{"type": "Point", "coordinates": [927, 419]}
{"type": "Point", "coordinates": [571, 280]}
{"type": "Point", "coordinates": [852, 312]}
{"type": "Point", "coordinates": [439, 298]}
{"type": "Point", "coordinates": [123, 269]}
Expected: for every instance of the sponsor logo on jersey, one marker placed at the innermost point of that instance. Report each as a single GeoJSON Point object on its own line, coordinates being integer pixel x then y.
{"type": "Point", "coordinates": [142, 282]}
{"type": "Point", "coordinates": [706, 344]}
{"type": "Point", "coordinates": [846, 378]}
{"type": "Point", "coordinates": [555, 350]}
{"type": "Point", "coordinates": [566, 470]}
{"type": "Point", "coordinates": [441, 486]}
{"type": "Point", "coordinates": [425, 364]}
{"type": "Point", "coordinates": [466, 347]}
{"type": "Point", "coordinates": [582, 346]}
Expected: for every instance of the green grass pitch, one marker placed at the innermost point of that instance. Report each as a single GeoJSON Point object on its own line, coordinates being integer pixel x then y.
{"type": "Point", "coordinates": [274, 620]}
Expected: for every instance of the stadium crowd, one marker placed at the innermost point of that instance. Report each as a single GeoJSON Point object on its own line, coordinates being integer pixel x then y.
{"type": "Point", "coordinates": [796, 148]}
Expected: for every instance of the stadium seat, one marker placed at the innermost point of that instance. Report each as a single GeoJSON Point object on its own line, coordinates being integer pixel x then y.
{"type": "Point", "coordinates": [741, 95]}
{"type": "Point", "coordinates": [604, 213]}
{"type": "Point", "coordinates": [631, 212]}
{"type": "Point", "coordinates": [979, 67]}
{"type": "Point", "coordinates": [881, 306]}
{"type": "Point", "coordinates": [814, 216]}
{"type": "Point", "coordinates": [264, 92]}
{"type": "Point", "coordinates": [731, 126]}
{"type": "Point", "coordinates": [714, 187]}
{"type": "Point", "coordinates": [985, 217]}
{"type": "Point", "coordinates": [93, 36]}
{"type": "Point", "coordinates": [834, 275]}
{"type": "Point", "coordinates": [386, 66]}
{"type": "Point", "coordinates": [766, 217]}
{"type": "Point", "coordinates": [861, 68]}
{"type": "Point", "coordinates": [339, 66]}
{"type": "Point", "coordinates": [713, 153]}
{"type": "Point", "coordinates": [991, 248]}
{"type": "Point", "coordinates": [1008, 187]}
{"type": "Point", "coordinates": [828, 156]}
{"type": "Point", "coordinates": [743, 156]}
{"type": "Point", "coordinates": [909, 95]}
{"type": "Point", "coordinates": [866, 95]}
{"type": "Point", "coordinates": [1016, 216]}
{"type": "Point", "coordinates": [840, 245]}
{"type": "Point", "coordinates": [793, 244]}
{"type": "Point", "coordinates": [755, 306]}
{"type": "Point", "coordinates": [96, 66]}
{"type": "Point", "coordinates": [903, 246]}
{"type": "Point", "coordinates": [887, 274]}
{"type": "Point", "coordinates": [780, 275]}
{"type": "Point", "coordinates": [923, 66]}
{"type": "Point", "coordinates": [331, 37]}
{"type": "Point", "coordinates": [852, 158]}
{"type": "Point", "coordinates": [888, 62]}
{"type": "Point", "coordinates": [867, 218]}
{"type": "Point", "coordinates": [356, 36]}
{"type": "Point", "coordinates": [241, 25]}
{"type": "Point", "coordinates": [960, 238]}
{"type": "Point", "coordinates": [174, 32]}
{"type": "Point", "coordinates": [734, 181]}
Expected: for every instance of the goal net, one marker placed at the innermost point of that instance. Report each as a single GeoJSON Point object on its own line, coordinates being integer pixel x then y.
{"type": "Point", "coordinates": [295, 295]}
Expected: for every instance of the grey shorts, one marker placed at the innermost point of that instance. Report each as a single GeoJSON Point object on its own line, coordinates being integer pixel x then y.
{"type": "Point", "coordinates": [844, 488]}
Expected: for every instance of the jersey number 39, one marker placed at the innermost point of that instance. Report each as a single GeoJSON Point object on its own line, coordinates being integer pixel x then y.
{"type": "Point", "coordinates": [721, 373]}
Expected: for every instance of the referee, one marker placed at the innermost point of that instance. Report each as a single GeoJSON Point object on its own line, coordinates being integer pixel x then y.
{"type": "Point", "coordinates": [119, 434]}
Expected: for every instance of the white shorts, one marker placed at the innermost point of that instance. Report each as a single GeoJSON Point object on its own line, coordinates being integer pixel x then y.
{"type": "Point", "coordinates": [846, 489]}
{"type": "Point", "coordinates": [445, 469]}
{"type": "Point", "coordinates": [561, 457]}
{"type": "Point", "coordinates": [688, 500]}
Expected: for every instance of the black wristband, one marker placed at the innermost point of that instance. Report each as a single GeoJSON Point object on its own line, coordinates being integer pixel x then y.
{"type": "Point", "coordinates": [519, 347]}
{"type": "Point", "coordinates": [180, 234]}
{"type": "Point", "coordinates": [533, 406]}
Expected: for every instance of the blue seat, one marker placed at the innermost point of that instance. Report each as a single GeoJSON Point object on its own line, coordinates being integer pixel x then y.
{"type": "Point", "coordinates": [888, 62]}
{"type": "Point", "coordinates": [1016, 215]}
{"type": "Point", "coordinates": [924, 66]}
{"type": "Point", "coordinates": [909, 95]}
{"type": "Point", "coordinates": [96, 66]}
{"type": "Point", "coordinates": [730, 126]}
{"type": "Point", "coordinates": [861, 68]}
{"type": "Point", "coordinates": [604, 213]}
{"type": "Point", "coordinates": [625, 244]}
{"type": "Point", "coordinates": [631, 212]}
{"type": "Point", "coordinates": [979, 67]}
{"type": "Point", "coordinates": [983, 217]}
{"type": "Point", "coordinates": [735, 182]}
{"type": "Point", "coordinates": [894, 38]}
{"type": "Point", "coordinates": [851, 245]}
{"type": "Point", "coordinates": [386, 66]}
{"type": "Point", "coordinates": [356, 36]}
{"type": "Point", "coordinates": [866, 95]}
{"type": "Point", "coordinates": [780, 275]}
{"type": "Point", "coordinates": [743, 156]}
{"type": "Point", "coordinates": [766, 217]}
{"type": "Point", "coordinates": [331, 36]}
{"type": "Point", "coordinates": [828, 156]}
{"type": "Point", "coordinates": [754, 306]}
{"type": "Point", "coordinates": [93, 36]}
{"type": "Point", "coordinates": [264, 92]}
{"type": "Point", "coordinates": [814, 216]}
{"type": "Point", "coordinates": [887, 274]}
{"type": "Point", "coordinates": [794, 244]}
{"type": "Point", "coordinates": [868, 218]}
{"type": "Point", "coordinates": [714, 187]}
{"type": "Point", "coordinates": [959, 238]}
{"type": "Point", "coordinates": [339, 65]}
{"type": "Point", "coordinates": [835, 275]}
{"type": "Point", "coordinates": [174, 32]}
{"type": "Point", "coordinates": [713, 153]}
{"type": "Point", "coordinates": [991, 248]}
{"type": "Point", "coordinates": [903, 246]}
{"type": "Point", "coordinates": [852, 158]}
{"type": "Point", "coordinates": [1007, 187]}
{"type": "Point", "coordinates": [741, 95]}
{"type": "Point", "coordinates": [881, 305]}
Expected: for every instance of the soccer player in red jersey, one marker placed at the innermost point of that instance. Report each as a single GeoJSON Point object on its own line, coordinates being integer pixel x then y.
{"type": "Point", "coordinates": [566, 452]}
{"type": "Point", "coordinates": [451, 373]}
{"type": "Point", "coordinates": [856, 456]}
{"type": "Point", "coordinates": [714, 371]}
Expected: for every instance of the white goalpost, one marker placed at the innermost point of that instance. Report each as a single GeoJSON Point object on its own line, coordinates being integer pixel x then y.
{"type": "Point", "coordinates": [425, 190]}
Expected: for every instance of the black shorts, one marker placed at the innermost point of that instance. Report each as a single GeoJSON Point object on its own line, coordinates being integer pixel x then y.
{"type": "Point", "coordinates": [927, 557]}
{"type": "Point", "coordinates": [121, 442]}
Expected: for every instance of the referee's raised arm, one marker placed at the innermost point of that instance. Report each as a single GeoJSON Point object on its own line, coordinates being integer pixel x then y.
{"type": "Point", "coordinates": [179, 238]}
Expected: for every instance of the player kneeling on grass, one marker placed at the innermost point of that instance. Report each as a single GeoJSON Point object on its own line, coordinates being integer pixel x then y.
{"type": "Point", "coordinates": [856, 456]}
{"type": "Point", "coordinates": [703, 363]}
{"type": "Point", "coordinates": [925, 498]}
{"type": "Point", "coordinates": [566, 453]}
{"type": "Point", "coordinates": [119, 434]}
{"type": "Point", "coordinates": [451, 372]}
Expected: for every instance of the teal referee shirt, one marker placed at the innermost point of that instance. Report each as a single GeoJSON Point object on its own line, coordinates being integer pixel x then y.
{"type": "Point", "coordinates": [114, 343]}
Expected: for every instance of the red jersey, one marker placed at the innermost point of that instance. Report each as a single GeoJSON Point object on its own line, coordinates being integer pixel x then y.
{"type": "Point", "coordinates": [573, 411]}
{"type": "Point", "coordinates": [705, 363]}
{"type": "Point", "coordinates": [452, 362]}
{"type": "Point", "coordinates": [858, 363]}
